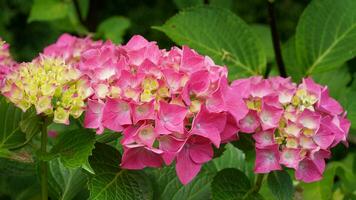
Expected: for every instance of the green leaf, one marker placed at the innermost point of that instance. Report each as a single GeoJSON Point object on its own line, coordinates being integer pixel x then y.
{"type": "Point", "coordinates": [347, 99]}
{"type": "Point", "coordinates": [114, 28]}
{"type": "Point", "coordinates": [17, 163]}
{"type": "Point", "coordinates": [47, 10]}
{"type": "Point", "coordinates": [325, 35]}
{"type": "Point", "coordinates": [110, 182]}
{"type": "Point", "coordinates": [84, 8]}
{"type": "Point", "coordinates": [231, 158]}
{"type": "Point", "coordinates": [336, 80]}
{"type": "Point", "coordinates": [222, 3]}
{"type": "Point", "coordinates": [64, 183]}
{"type": "Point", "coordinates": [292, 63]}
{"type": "Point", "coordinates": [74, 147]}
{"type": "Point", "coordinates": [14, 131]}
{"type": "Point", "coordinates": [231, 184]}
{"type": "Point", "coordinates": [182, 4]}
{"type": "Point", "coordinates": [281, 185]}
{"type": "Point", "coordinates": [168, 186]}
{"type": "Point", "coordinates": [264, 34]}
{"type": "Point", "coordinates": [220, 34]}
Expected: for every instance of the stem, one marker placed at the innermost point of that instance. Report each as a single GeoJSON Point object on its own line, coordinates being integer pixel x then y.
{"type": "Point", "coordinates": [43, 164]}
{"type": "Point", "coordinates": [256, 187]}
{"type": "Point", "coordinates": [275, 39]}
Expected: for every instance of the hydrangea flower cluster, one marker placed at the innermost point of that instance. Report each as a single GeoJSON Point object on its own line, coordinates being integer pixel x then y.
{"type": "Point", "coordinates": [176, 105]}
{"type": "Point", "coordinates": [70, 48]}
{"type": "Point", "coordinates": [169, 105]}
{"type": "Point", "coordinates": [293, 125]}
{"type": "Point", "coordinates": [6, 62]}
{"type": "Point", "coordinates": [49, 85]}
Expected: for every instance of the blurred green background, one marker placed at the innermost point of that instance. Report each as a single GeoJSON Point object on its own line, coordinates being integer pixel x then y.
{"type": "Point", "coordinates": [30, 25]}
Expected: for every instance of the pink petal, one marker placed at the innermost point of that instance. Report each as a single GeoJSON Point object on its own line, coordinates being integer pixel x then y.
{"type": "Point", "coordinates": [264, 138]}
{"type": "Point", "coordinates": [116, 113]}
{"type": "Point", "coordinates": [267, 159]}
{"type": "Point", "coordinates": [142, 112]}
{"type": "Point", "coordinates": [94, 115]}
{"type": "Point", "coordinates": [290, 157]}
{"type": "Point", "coordinates": [309, 119]}
{"type": "Point", "coordinates": [307, 171]}
{"type": "Point", "coordinates": [270, 116]}
{"type": "Point", "coordinates": [186, 168]}
{"type": "Point", "coordinates": [209, 125]}
{"type": "Point", "coordinates": [249, 123]}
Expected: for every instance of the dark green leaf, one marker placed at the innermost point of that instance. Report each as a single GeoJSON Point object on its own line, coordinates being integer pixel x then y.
{"type": "Point", "coordinates": [65, 183]}
{"type": "Point", "coordinates": [231, 184]}
{"type": "Point", "coordinates": [181, 4]}
{"type": "Point", "coordinates": [168, 186]}
{"type": "Point", "coordinates": [14, 129]}
{"type": "Point", "coordinates": [281, 185]}
{"type": "Point", "coordinates": [220, 34]}
{"type": "Point", "coordinates": [74, 147]}
{"type": "Point", "coordinates": [110, 182]}
{"type": "Point", "coordinates": [84, 8]}
{"type": "Point", "coordinates": [264, 34]}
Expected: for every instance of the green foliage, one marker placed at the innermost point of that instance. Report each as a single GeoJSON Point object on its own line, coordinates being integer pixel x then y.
{"type": "Point", "coordinates": [47, 10]}
{"type": "Point", "coordinates": [113, 28]}
{"type": "Point", "coordinates": [110, 182]}
{"type": "Point", "coordinates": [325, 35]}
{"type": "Point", "coordinates": [281, 185]}
{"type": "Point", "coordinates": [220, 34]}
{"type": "Point", "coordinates": [16, 128]}
{"type": "Point", "coordinates": [74, 147]}
{"type": "Point", "coordinates": [232, 184]}
{"type": "Point", "coordinates": [64, 183]}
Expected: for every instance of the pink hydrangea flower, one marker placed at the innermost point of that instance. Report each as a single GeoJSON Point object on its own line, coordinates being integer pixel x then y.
{"type": "Point", "coordinates": [7, 64]}
{"type": "Point", "coordinates": [293, 125]}
{"type": "Point", "coordinates": [169, 104]}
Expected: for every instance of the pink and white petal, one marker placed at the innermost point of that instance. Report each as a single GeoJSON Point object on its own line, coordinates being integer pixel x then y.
{"type": "Point", "coordinates": [249, 123]}
{"type": "Point", "coordinates": [309, 119]}
{"type": "Point", "coordinates": [264, 138]}
{"type": "Point", "coordinates": [290, 157]}
{"type": "Point", "coordinates": [267, 159]}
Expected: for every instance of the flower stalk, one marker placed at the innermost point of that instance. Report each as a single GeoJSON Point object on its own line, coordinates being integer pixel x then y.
{"type": "Point", "coordinates": [44, 164]}
{"type": "Point", "coordinates": [275, 39]}
{"type": "Point", "coordinates": [256, 187]}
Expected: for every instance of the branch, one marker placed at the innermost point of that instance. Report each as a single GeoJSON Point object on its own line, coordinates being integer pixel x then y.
{"type": "Point", "coordinates": [275, 39]}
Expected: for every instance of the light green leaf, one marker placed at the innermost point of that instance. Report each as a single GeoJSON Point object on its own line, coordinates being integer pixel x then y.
{"type": "Point", "coordinates": [74, 147]}
{"type": "Point", "coordinates": [110, 182]}
{"type": "Point", "coordinates": [336, 80]}
{"type": "Point", "coordinates": [293, 66]}
{"type": "Point", "coordinates": [114, 28]}
{"type": "Point", "coordinates": [14, 132]}
{"type": "Point", "coordinates": [220, 34]}
{"type": "Point", "coordinates": [281, 185]}
{"type": "Point", "coordinates": [47, 10]}
{"type": "Point", "coordinates": [182, 4]}
{"type": "Point", "coordinates": [231, 184]}
{"type": "Point", "coordinates": [64, 183]}
{"type": "Point", "coordinates": [326, 35]}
